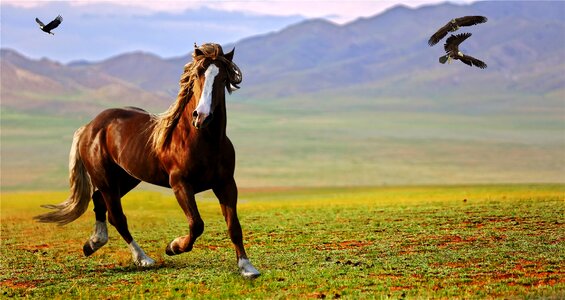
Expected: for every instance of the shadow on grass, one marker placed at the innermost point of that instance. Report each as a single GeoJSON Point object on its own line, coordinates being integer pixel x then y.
{"type": "Point", "coordinates": [200, 265]}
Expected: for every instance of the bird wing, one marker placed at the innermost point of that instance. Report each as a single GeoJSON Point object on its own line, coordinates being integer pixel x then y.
{"type": "Point", "coordinates": [39, 22]}
{"type": "Point", "coordinates": [440, 34]}
{"type": "Point", "coordinates": [471, 61]}
{"type": "Point", "coordinates": [452, 42]}
{"type": "Point", "coordinates": [53, 24]}
{"type": "Point", "coordinates": [466, 61]}
{"type": "Point", "coordinates": [470, 20]}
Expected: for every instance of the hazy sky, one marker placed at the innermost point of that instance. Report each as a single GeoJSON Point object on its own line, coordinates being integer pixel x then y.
{"type": "Point", "coordinates": [99, 29]}
{"type": "Point", "coordinates": [339, 11]}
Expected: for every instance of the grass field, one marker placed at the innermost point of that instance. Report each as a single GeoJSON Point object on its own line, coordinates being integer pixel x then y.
{"type": "Point", "coordinates": [483, 241]}
{"type": "Point", "coordinates": [280, 145]}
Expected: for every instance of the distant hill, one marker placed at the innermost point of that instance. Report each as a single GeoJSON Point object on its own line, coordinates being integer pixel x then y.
{"type": "Point", "coordinates": [317, 62]}
{"type": "Point", "coordinates": [46, 86]}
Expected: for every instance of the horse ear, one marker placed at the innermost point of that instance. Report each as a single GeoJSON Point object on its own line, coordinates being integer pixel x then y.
{"type": "Point", "coordinates": [197, 52]}
{"type": "Point", "coordinates": [229, 55]}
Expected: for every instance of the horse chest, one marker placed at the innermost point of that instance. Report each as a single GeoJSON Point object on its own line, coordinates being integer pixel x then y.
{"type": "Point", "coordinates": [203, 164]}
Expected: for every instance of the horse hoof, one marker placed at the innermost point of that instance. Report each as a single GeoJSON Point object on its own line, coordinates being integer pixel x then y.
{"type": "Point", "coordinates": [246, 269]}
{"type": "Point", "coordinates": [169, 250]}
{"type": "Point", "coordinates": [87, 249]}
{"type": "Point", "coordinates": [145, 262]}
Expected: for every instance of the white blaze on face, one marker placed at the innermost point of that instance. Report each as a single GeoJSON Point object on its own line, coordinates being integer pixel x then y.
{"type": "Point", "coordinates": [205, 103]}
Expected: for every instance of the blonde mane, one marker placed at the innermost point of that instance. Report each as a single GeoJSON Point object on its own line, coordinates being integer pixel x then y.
{"type": "Point", "coordinates": [167, 121]}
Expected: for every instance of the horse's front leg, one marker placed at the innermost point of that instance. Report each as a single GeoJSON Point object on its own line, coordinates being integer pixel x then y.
{"type": "Point", "coordinates": [227, 195]}
{"type": "Point", "coordinates": [185, 197]}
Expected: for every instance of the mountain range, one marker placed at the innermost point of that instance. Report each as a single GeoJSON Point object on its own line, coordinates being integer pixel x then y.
{"type": "Point", "coordinates": [385, 56]}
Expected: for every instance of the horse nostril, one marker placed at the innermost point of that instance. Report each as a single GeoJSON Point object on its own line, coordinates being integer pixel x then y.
{"type": "Point", "coordinates": [195, 114]}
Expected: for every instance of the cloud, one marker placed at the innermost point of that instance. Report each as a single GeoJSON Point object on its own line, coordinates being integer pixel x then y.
{"type": "Point", "coordinates": [338, 11]}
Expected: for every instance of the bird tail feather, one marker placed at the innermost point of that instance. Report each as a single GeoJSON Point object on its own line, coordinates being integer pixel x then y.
{"type": "Point", "coordinates": [443, 59]}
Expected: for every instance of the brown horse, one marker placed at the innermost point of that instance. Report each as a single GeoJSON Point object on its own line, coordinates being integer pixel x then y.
{"type": "Point", "coordinates": [185, 148]}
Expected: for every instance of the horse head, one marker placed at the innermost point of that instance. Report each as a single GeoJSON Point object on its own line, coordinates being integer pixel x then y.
{"type": "Point", "coordinates": [215, 72]}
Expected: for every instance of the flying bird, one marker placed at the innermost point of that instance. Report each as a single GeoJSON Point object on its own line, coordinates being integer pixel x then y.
{"type": "Point", "coordinates": [453, 25]}
{"type": "Point", "coordinates": [52, 25]}
{"type": "Point", "coordinates": [452, 49]}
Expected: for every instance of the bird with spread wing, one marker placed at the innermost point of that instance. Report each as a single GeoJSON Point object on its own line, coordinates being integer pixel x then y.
{"type": "Point", "coordinates": [452, 49]}
{"type": "Point", "coordinates": [454, 25]}
{"type": "Point", "coordinates": [52, 25]}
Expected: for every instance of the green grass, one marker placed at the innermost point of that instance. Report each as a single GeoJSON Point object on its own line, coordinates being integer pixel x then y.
{"type": "Point", "coordinates": [484, 241]}
{"type": "Point", "coordinates": [279, 145]}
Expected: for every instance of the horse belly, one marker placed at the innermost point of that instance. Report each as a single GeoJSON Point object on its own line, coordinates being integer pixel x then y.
{"type": "Point", "coordinates": [141, 163]}
{"type": "Point", "coordinates": [146, 172]}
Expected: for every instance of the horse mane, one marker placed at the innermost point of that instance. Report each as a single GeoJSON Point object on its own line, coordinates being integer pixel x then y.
{"type": "Point", "coordinates": [167, 121]}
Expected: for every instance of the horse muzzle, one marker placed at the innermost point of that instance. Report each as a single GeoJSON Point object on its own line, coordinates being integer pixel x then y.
{"type": "Point", "coordinates": [200, 121]}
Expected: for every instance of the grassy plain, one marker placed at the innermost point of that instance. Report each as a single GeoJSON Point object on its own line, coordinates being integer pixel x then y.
{"type": "Point", "coordinates": [482, 241]}
{"type": "Point", "coordinates": [299, 144]}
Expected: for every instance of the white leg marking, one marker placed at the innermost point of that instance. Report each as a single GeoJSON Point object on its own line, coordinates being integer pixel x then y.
{"type": "Point", "coordinates": [246, 269]}
{"type": "Point", "coordinates": [99, 237]}
{"type": "Point", "coordinates": [139, 257]}
{"type": "Point", "coordinates": [205, 102]}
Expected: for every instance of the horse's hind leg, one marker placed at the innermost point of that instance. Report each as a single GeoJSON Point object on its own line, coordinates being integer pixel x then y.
{"type": "Point", "coordinates": [112, 200]}
{"type": "Point", "coordinates": [118, 219]}
{"type": "Point", "coordinates": [227, 195]}
{"type": "Point", "coordinates": [99, 237]}
{"type": "Point", "coordinates": [112, 197]}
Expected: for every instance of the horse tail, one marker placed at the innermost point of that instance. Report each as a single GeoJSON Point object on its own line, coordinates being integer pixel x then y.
{"type": "Point", "coordinates": [81, 190]}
